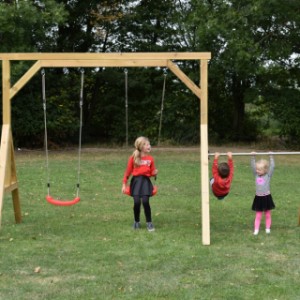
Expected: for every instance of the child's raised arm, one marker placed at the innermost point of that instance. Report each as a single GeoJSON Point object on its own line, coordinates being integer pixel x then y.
{"type": "Point", "coordinates": [272, 164]}
{"type": "Point", "coordinates": [253, 165]}
{"type": "Point", "coordinates": [217, 155]}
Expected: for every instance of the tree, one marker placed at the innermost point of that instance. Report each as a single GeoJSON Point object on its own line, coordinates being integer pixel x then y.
{"type": "Point", "coordinates": [253, 73]}
{"type": "Point", "coordinates": [245, 38]}
{"type": "Point", "coordinates": [28, 26]}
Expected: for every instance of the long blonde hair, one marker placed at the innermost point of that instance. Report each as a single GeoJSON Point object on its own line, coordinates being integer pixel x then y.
{"type": "Point", "coordinates": [138, 144]}
{"type": "Point", "coordinates": [263, 165]}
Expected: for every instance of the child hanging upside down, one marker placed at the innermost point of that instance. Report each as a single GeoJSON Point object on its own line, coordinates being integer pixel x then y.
{"type": "Point", "coordinates": [222, 176]}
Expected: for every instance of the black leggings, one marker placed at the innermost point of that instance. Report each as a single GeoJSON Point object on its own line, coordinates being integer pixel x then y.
{"type": "Point", "coordinates": [137, 208]}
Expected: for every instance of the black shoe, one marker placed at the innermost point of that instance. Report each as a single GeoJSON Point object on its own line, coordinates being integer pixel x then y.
{"type": "Point", "coordinates": [136, 225]}
{"type": "Point", "coordinates": [150, 226]}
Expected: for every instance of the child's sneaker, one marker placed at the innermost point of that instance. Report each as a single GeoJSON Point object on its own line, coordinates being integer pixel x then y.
{"type": "Point", "coordinates": [256, 231]}
{"type": "Point", "coordinates": [136, 225]}
{"type": "Point", "coordinates": [268, 230]}
{"type": "Point", "coordinates": [150, 226]}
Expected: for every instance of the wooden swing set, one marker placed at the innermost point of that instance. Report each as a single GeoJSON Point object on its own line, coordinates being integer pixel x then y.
{"type": "Point", "coordinates": [8, 175]}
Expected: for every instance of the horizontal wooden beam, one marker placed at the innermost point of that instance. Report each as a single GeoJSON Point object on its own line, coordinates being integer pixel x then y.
{"type": "Point", "coordinates": [107, 56]}
{"type": "Point", "coordinates": [73, 63]}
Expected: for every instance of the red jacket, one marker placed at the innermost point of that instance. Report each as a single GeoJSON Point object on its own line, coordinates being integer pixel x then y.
{"type": "Point", "coordinates": [146, 168]}
{"type": "Point", "coordinates": [221, 186]}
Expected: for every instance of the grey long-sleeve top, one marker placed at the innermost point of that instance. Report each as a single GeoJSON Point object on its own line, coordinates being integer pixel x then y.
{"type": "Point", "coordinates": [262, 183]}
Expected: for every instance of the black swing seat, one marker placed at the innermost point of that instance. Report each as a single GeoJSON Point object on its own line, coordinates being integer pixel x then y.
{"type": "Point", "coordinates": [62, 202]}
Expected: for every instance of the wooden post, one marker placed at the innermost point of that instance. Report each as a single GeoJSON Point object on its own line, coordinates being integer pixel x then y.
{"type": "Point", "coordinates": [8, 177]}
{"type": "Point", "coordinates": [5, 129]}
{"type": "Point", "coordinates": [6, 114]}
{"type": "Point", "coordinates": [3, 163]}
{"type": "Point", "coordinates": [204, 150]}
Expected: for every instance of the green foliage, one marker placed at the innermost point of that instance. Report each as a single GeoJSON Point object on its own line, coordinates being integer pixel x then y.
{"type": "Point", "coordinates": [255, 63]}
{"type": "Point", "coordinates": [286, 106]}
{"type": "Point", "coordinates": [245, 38]}
{"type": "Point", "coordinates": [62, 111]}
{"type": "Point", "coordinates": [29, 26]}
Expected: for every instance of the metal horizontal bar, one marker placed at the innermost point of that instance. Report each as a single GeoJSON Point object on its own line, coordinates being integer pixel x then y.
{"type": "Point", "coordinates": [257, 153]}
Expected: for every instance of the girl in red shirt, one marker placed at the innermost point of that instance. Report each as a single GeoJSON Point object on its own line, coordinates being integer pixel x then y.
{"type": "Point", "coordinates": [141, 167]}
{"type": "Point", "coordinates": [222, 176]}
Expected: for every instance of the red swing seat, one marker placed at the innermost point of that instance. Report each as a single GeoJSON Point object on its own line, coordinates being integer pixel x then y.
{"type": "Point", "coordinates": [62, 202]}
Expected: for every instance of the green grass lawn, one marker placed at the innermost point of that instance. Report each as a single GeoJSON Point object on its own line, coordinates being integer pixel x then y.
{"type": "Point", "coordinates": [90, 251]}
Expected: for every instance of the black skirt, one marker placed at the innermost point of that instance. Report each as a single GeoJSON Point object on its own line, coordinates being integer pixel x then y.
{"type": "Point", "coordinates": [263, 203]}
{"type": "Point", "coordinates": [141, 186]}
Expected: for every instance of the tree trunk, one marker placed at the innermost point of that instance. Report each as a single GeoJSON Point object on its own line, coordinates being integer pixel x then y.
{"type": "Point", "coordinates": [239, 109]}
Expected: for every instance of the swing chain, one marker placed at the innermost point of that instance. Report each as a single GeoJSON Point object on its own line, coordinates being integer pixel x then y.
{"type": "Point", "coordinates": [126, 104]}
{"type": "Point", "coordinates": [162, 106]}
{"type": "Point", "coordinates": [45, 126]}
{"type": "Point", "coordinates": [80, 130]}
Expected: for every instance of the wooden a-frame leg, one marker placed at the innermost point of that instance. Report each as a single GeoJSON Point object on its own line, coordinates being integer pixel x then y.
{"type": "Point", "coordinates": [8, 177]}
{"type": "Point", "coordinates": [14, 184]}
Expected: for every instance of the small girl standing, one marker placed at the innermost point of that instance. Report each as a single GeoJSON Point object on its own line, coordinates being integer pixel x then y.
{"type": "Point", "coordinates": [141, 166]}
{"type": "Point", "coordinates": [263, 201]}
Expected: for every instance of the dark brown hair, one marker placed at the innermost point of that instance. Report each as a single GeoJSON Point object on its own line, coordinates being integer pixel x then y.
{"type": "Point", "coordinates": [223, 169]}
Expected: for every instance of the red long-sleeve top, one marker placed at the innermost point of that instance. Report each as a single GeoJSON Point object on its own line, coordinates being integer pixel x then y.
{"type": "Point", "coordinates": [146, 168]}
{"type": "Point", "coordinates": [221, 186]}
